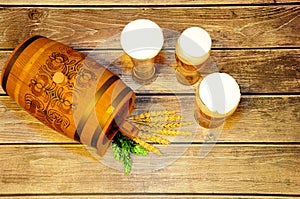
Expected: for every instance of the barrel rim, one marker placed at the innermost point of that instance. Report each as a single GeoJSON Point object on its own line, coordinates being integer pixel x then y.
{"type": "Point", "coordinates": [126, 96]}
{"type": "Point", "coordinates": [13, 57]}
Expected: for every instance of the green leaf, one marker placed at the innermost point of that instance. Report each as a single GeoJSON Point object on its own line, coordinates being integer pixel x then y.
{"type": "Point", "coordinates": [116, 151]}
{"type": "Point", "coordinates": [127, 161]}
{"type": "Point", "coordinates": [122, 146]}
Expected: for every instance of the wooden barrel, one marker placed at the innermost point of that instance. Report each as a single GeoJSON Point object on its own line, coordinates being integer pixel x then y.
{"type": "Point", "coordinates": [68, 91]}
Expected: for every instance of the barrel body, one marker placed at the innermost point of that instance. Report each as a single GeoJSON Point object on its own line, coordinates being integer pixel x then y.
{"type": "Point", "coordinates": [67, 91]}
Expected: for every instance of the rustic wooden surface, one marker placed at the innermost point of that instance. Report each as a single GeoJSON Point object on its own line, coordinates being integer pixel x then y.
{"type": "Point", "coordinates": [275, 71]}
{"type": "Point", "coordinates": [271, 128]}
{"type": "Point", "coordinates": [229, 26]}
{"type": "Point", "coordinates": [145, 2]}
{"type": "Point", "coordinates": [257, 155]}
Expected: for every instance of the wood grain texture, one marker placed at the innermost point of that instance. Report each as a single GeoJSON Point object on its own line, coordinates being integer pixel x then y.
{"type": "Point", "coordinates": [256, 71]}
{"type": "Point", "coordinates": [142, 2]}
{"type": "Point", "coordinates": [226, 169]}
{"type": "Point", "coordinates": [257, 119]}
{"type": "Point", "coordinates": [230, 27]}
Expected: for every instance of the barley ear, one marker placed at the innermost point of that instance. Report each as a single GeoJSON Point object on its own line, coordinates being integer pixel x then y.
{"type": "Point", "coordinates": [147, 146]}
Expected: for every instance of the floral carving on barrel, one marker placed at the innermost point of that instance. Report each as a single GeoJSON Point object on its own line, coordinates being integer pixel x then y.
{"type": "Point", "coordinates": [51, 101]}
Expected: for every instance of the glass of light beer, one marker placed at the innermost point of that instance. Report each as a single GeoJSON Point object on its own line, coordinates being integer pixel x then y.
{"type": "Point", "coordinates": [217, 97]}
{"type": "Point", "coordinates": [192, 51]}
{"type": "Point", "coordinates": [142, 40]}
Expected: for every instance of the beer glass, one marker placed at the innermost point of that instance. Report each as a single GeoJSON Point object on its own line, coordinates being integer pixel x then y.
{"type": "Point", "coordinates": [192, 51]}
{"type": "Point", "coordinates": [217, 97]}
{"type": "Point", "coordinates": [142, 40]}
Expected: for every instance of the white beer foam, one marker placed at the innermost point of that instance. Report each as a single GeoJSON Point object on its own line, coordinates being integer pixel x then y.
{"type": "Point", "coordinates": [142, 39]}
{"type": "Point", "coordinates": [219, 92]}
{"type": "Point", "coordinates": [194, 45]}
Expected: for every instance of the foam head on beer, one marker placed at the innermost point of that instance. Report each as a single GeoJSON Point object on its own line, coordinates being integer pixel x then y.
{"type": "Point", "coordinates": [220, 93]}
{"type": "Point", "coordinates": [142, 39]}
{"type": "Point", "coordinates": [193, 46]}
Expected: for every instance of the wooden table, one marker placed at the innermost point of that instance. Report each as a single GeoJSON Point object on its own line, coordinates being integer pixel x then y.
{"type": "Point", "coordinates": [257, 155]}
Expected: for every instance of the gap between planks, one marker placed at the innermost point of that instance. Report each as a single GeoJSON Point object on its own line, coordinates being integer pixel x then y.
{"type": "Point", "coordinates": [148, 195]}
{"type": "Point", "coordinates": [155, 3]}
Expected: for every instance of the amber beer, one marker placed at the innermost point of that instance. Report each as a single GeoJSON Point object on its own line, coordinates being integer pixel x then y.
{"type": "Point", "coordinates": [192, 51]}
{"type": "Point", "coordinates": [217, 97]}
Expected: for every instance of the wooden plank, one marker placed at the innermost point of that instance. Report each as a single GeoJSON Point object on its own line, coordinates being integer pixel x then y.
{"type": "Point", "coordinates": [141, 2]}
{"type": "Point", "coordinates": [257, 119]}
{"type": "Point", "coordinates": [238, 169]}
{"type": "Point", "coordinates": [230, 27]}
{"type": "Point", "coordinates": [144, 195]}
{"type": "Point", "coordinates": [256, 71]}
